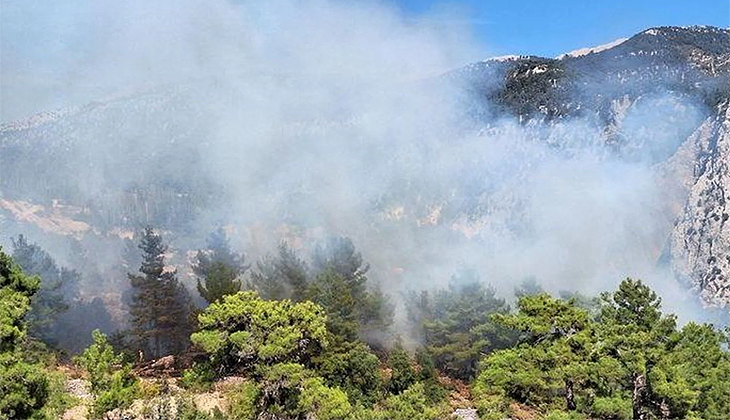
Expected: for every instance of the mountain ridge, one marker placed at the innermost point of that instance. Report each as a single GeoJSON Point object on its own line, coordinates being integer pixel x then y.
{"type": "Point", "coordinates": [683, 72]}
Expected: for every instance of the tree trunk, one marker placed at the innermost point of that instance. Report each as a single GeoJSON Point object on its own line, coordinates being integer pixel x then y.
{"type": "Point", "coordinates": [664, 410]}
{"type": "Point", "coordinates": [638, 397]}
{"type": "Point", "coordinates": [569, 396]}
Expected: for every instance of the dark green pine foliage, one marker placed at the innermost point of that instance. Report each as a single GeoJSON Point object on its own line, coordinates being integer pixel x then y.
{"type": "Point", "coordinates": [331, 291]}
{"type": "Point", "coordinates": [457, 324]}
{"type": "Point", "coordinates": [23, 382]}
{"type": "Point", "coordinates": [352, 367]}
{"type": "Point", "coordinates": [340, 285]}
{"type": "Point", "coordinates": [160, 306]}
{"type": "Point", "coordinates": [281, 276]}
{"type": "Point", "coordinates": [555, 345]}
{"type": "Point", "coordinates": [627, 362]}
{"type": "Point", "coordinates": [636, 335]}
{"type": "Point", "coordinates": [402, 374]}
{"type": "Point", "coordinates": [58, 287]}
{"type": "Point", "coordinates": [218, 268]}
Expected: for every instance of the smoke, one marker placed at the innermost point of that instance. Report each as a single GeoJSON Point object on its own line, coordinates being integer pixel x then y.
{"type": "Point", "coordinates": [302, 119]}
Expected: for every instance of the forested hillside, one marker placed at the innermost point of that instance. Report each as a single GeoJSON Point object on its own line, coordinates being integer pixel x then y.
{"type": "Point", "coordinates": [327, 210]}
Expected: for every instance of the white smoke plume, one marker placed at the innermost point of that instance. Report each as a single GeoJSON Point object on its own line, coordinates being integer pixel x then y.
{"type": "Point", "coordinates": [316, 117]}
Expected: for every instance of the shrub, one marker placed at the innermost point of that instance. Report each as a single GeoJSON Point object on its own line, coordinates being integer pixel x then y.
{"type": "Point", "coordinates": [59, 400]}
{"type": "Point", "coordinates": [187, 410]}
{"type": "Point", "coordinates": [23, 382]}
{"type": "Point", "coordinates": [198, 378]}
{"type": "Point", "coordinates": [612, 408]}
{"type": "Point", "coordinates": [243, 400]}
{"type": "Point", "coordinates": [428, 375]}
{"type": "Point", "coordinates": [112, 383]}
{"type": "Point", "coordinates": [402, 373]}
{"type": "Point", "coordinates": [412, 404]}
{"type": "Point", "coordinates": [23, 387]}
{"type": "Point", "coordinates": [354, 369]}
{"type": "Point", "coordinates": [322, 402]}
{"type": "Point", "coordinates": [562, 415]}
{"type": "Point", "coordinates": [121, 392]}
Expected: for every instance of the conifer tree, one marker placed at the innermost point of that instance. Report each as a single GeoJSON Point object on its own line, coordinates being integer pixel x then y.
{"type": "Point", "coordinates": [340, 285]}
{"type": "Point", "coordinates": [456, 324]}
{"type": "Point", "coordinates": [218, 268]}
{"type": "Point", "coordinates": [281, 276]}
{"type": "Point", "coordinates": [58, 286]}
{"type": "Point", "coordinates": [23, 382]}
{"type": "Point", "coordinates": [160, 306]}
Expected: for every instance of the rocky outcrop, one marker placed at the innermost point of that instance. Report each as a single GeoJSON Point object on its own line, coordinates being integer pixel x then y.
{"type": "Point", "coordinates": [700, 241]}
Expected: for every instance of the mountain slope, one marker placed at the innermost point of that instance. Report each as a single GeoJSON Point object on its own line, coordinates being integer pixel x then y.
{"type": "Point", "coordinates": [659, 101]}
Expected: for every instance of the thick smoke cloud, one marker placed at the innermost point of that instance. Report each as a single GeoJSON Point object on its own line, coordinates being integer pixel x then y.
{"type": "Point", "coordinates": [322, 117]}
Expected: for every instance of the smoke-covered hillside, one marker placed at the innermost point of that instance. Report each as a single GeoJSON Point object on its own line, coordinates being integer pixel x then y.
{"type": "Point", "coordinates": [577, 171]}
{"type": "Point", "coordinates": [298, 209]}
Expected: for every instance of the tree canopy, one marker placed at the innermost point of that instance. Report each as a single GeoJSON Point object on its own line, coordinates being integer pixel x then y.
{"type": "Point", "coordinates": [160, 307]}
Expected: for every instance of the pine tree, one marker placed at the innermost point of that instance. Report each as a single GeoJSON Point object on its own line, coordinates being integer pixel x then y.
{"type": "Point", "coordinates": [340, 285]}
{"type": "Point", "coordinates": [282, 276]}
{"type": "Point", "coordinates": [160, 306]}
{"type": "Point", "coordinates": [218, 268]}
{"type": "Point", "coordinates": [58, 286]}
{"type": "Point", "coordinates": [636, 334]}
{"type": "Point", "coordinates": [456, 324]}
{"type": "Point", "coordinates": [23, 382]}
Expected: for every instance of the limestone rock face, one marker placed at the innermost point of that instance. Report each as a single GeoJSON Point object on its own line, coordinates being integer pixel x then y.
{"type": "Point", "coordinates": [700, 240]}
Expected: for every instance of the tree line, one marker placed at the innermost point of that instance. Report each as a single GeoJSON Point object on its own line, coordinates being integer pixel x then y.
{"type": "Point", "coordinates": [301, 334]}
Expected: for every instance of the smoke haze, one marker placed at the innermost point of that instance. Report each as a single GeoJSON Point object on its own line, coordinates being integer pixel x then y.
{"type": "Point", "coordinates": [313, 118]}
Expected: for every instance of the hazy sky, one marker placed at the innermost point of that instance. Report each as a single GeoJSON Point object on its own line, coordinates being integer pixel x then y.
{"type": "Point", "coordinates": [47, 47]}
{"type": "Point", "coordinates": [549, 28]}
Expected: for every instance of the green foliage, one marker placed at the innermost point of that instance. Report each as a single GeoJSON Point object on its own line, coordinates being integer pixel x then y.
{"type": "Point", "coordinates": [187, 410]}
{"type": "Point", "coordinates": [59, 400]}
{"type": "Point", "coordinates": [630, 362]}
{"type": "Point", "coordinates": [457, 325]}
{"type": "Point", "coordinates": [199, 377]}
{"type": "Point", "coordinates": [615, 408]}
{"type": "Point", "coordinates": [290, 391]}
{"type": "Point", "coordinates": [160, 307]}
{"type": "Point", "coordinates": [121, 391]}
{"type": "Point", "coordinates": [220, 280]}
{"type": "Point", "coordinates": [244, 331]}
{"type": "Point", "coordinates": [331, 291]}
{"type": "Point", "coordinates": [562, 415]}
{"type": "Point", "coordinates": [491, 404]}
{"type": "Point", "coordinates": [636, 334]}
{"type": "Point", "coordinates": [428, 376]}
{"type": "Point", "coordinates": [218, 268]}
{"type": "Point", "coordinates": [243, 401]}
{"type": "Point", "coordinates": [354, 369]}
{"type": "Point", "coordinates": [24, 383]}
{"type": "Point", "coordinates": [340, 286]}
{"type": "Point", "coordinates": [112, 383]}
{"type": "Point", "coordinates": [23, 387]}
{"type": "Point", "coordinates": [16, 290]}
{"type": "Point", "coordinates": [402, 373]}
{"type": "Point", "coordinates": [281, 276]}
{"type": "Point", "coordinates": [515, 373]}
{"type": "Point", "coordinates": [99, 361]}
{"type": "Point", "coordinates": [412, 404]}
{"type": "Point", "coordinates": [337, 282]}
{"type": "Point", "coordinates": [57, 285]}
{"type": "Point", "coordinates": [322, 402]}
{"type": "Point", "coordinates": [694, 374]}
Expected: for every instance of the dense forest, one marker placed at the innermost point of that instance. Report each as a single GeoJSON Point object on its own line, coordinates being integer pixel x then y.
{"type": "Point", "coordinates": [312, 337]}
